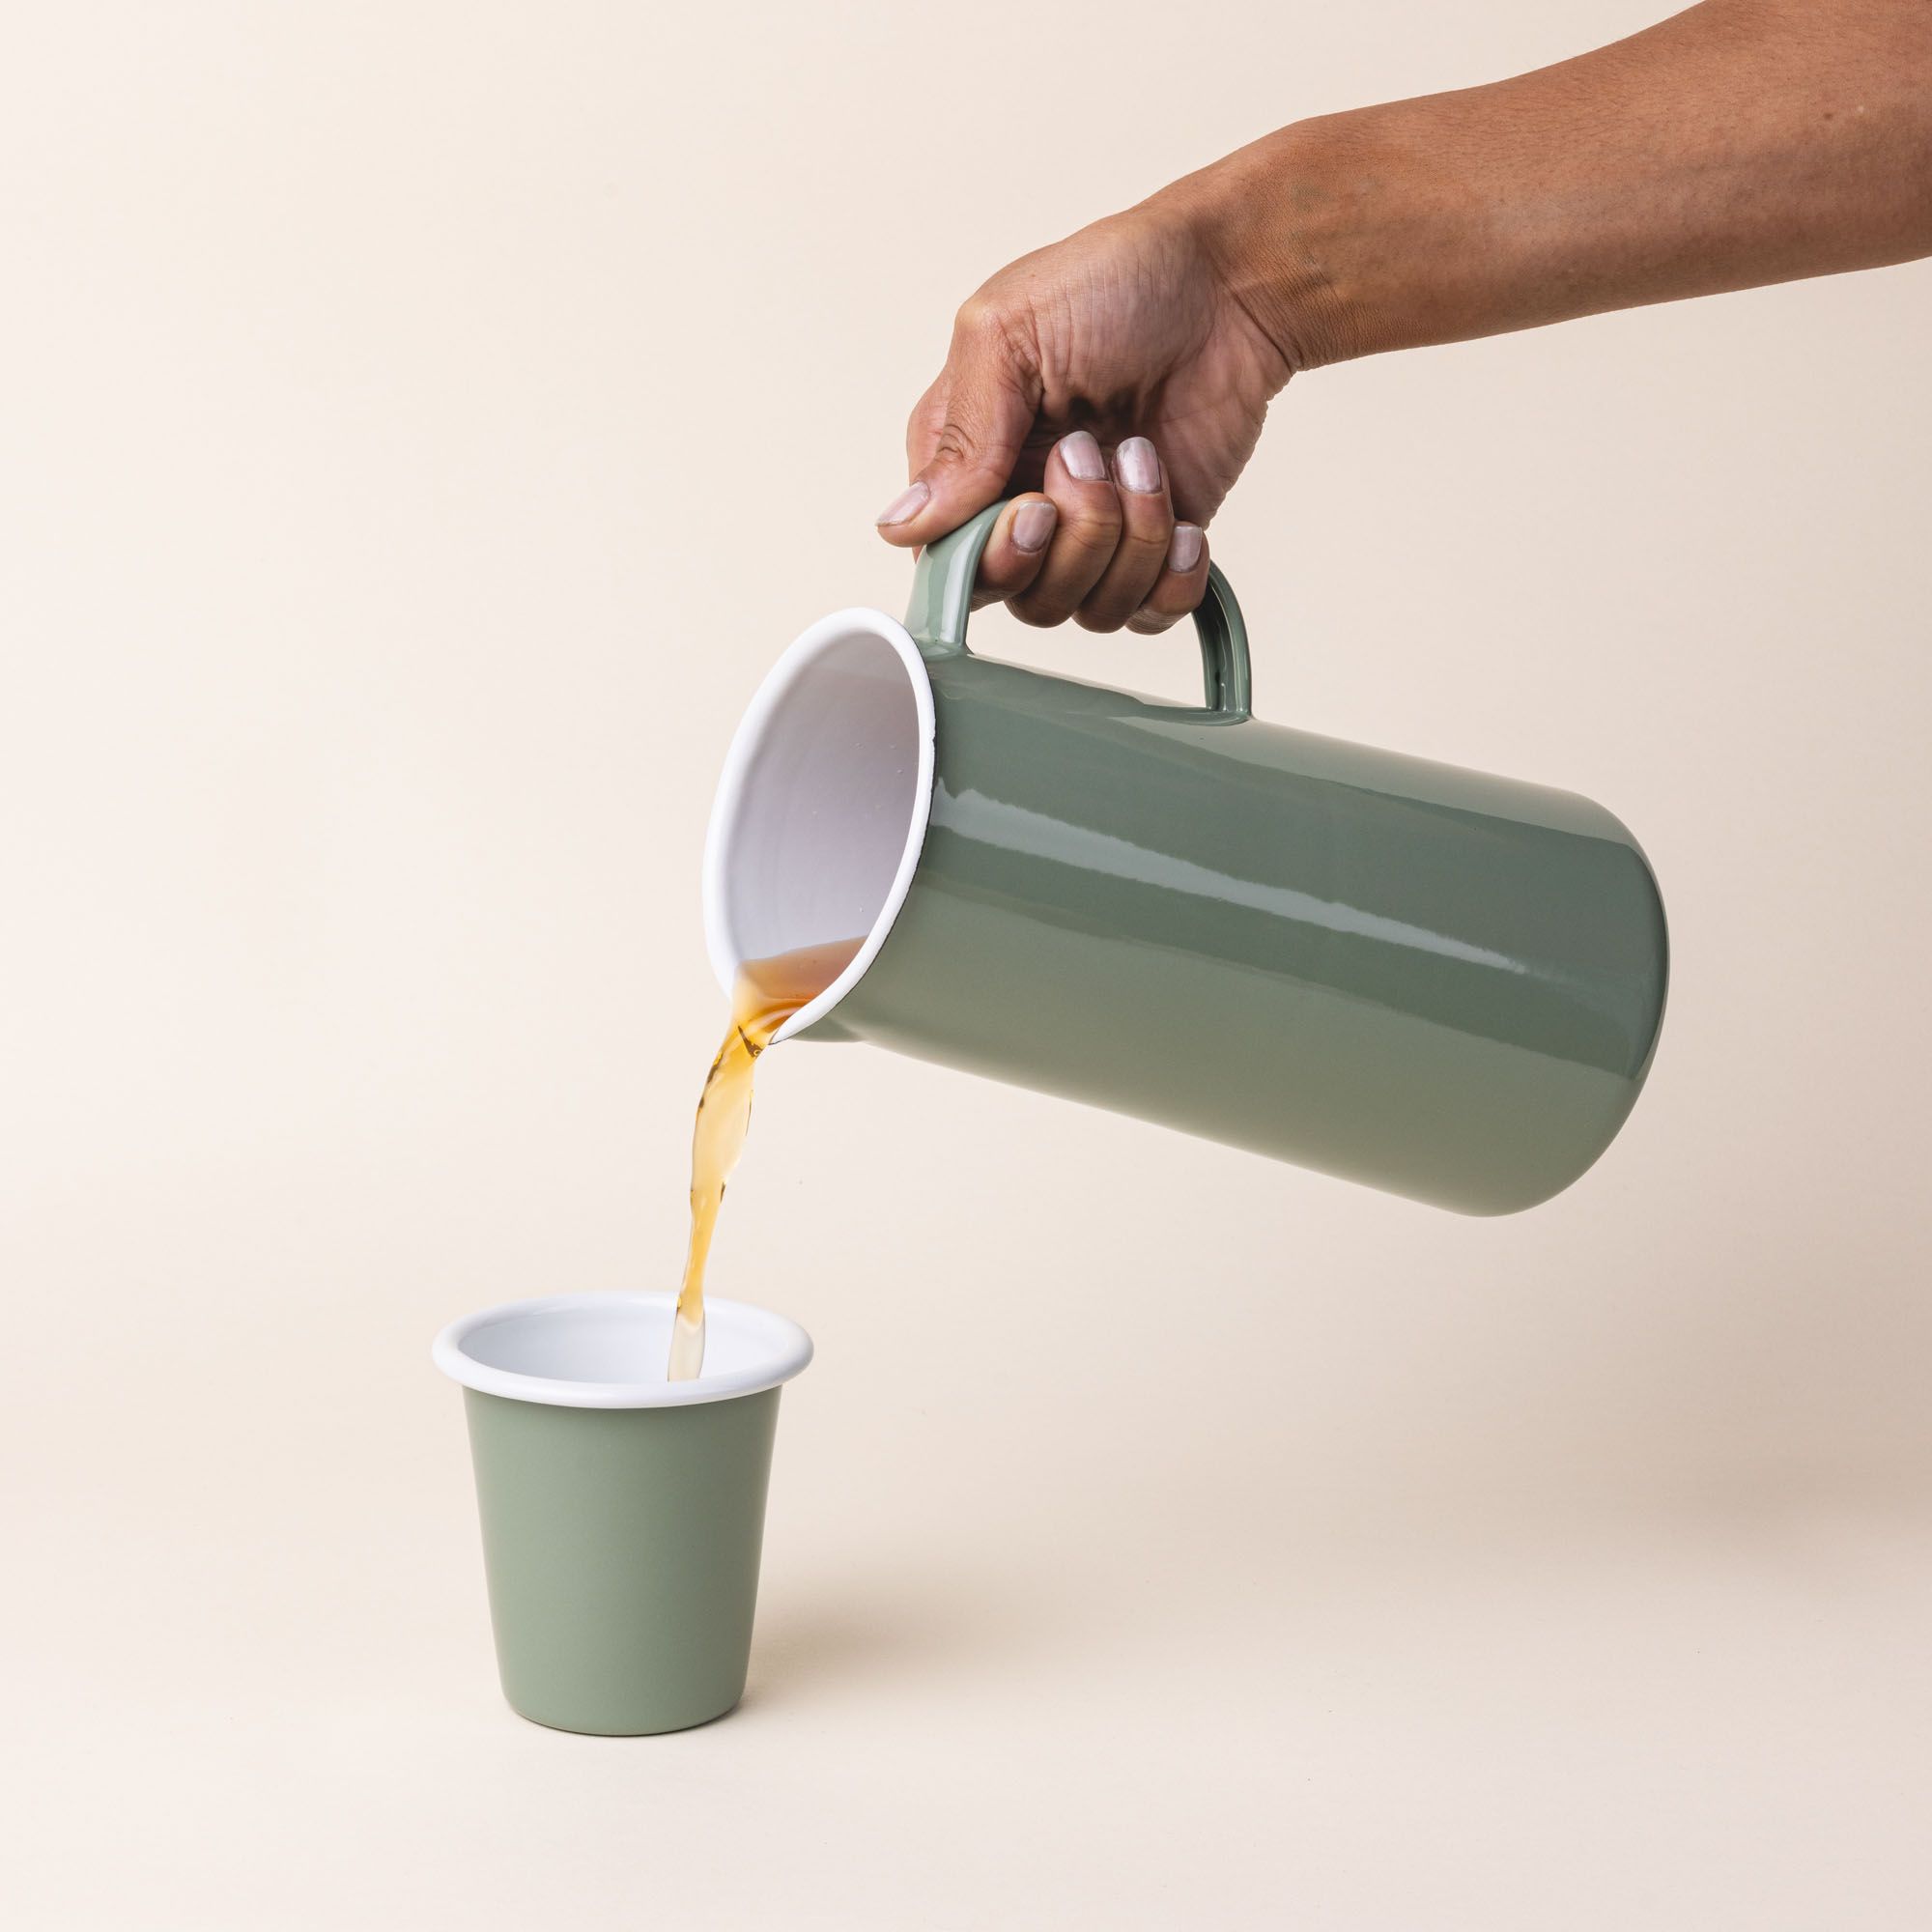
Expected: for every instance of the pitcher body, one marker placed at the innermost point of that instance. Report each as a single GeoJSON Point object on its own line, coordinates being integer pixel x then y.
{"type": "Point", "coordinates": [1438, 983]}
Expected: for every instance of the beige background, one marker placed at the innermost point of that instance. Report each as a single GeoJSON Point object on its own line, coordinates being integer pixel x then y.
{"type": "Point", "coordinates": [421, 426]}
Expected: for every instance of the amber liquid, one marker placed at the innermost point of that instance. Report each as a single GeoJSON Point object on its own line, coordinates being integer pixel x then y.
{"type": "Point", "coordinates": [768, 992]}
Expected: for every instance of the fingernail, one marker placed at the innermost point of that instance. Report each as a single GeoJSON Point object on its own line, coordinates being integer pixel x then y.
{"type": "Point", "coordinates": [1185, 552]}
{"type": "Point", "coordinates": [1137, 466]}
{"type": "Point", "coordinates": [906, 505]}
{"type": "Point", "coordinates": [1033, 525]}
{"type": "Point", "coordinates": [1082, 457]}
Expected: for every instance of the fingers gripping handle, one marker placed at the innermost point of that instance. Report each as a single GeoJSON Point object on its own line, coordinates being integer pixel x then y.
{"type": "Point", "coordinates": [942, 601]}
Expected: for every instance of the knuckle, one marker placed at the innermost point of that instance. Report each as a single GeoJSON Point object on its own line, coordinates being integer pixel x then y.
{"type": "Point", "coordinates": [972, 316]}
{"type": "Point", "coordinates": [1092, 528]}
{"type": "Point", "coordinates": [930, 405]}
{"type": "Point", "coordinates": [954, 443]}
{"type": "Point", "coordinates": [1041, 614]}
{"type": "Point", "coordinates": [1005, 572]}
{"type": "Point", "coordinates": [1097, 620]}
{"type": "Point", "coordinates": [984, 322]}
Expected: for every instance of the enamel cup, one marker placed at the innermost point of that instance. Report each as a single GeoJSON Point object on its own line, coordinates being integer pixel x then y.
{"type": "Point", "coordinates": [1440, 983]}
{"type": "Point", "coordinates": [623, 1514]}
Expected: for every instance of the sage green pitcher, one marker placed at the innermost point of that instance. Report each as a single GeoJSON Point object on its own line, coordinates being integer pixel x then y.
{"type": "Point", "coordinates": [1445, 984]}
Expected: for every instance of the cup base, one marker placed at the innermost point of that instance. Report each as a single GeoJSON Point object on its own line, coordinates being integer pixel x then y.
{"type": "Point", "coordinates": [614, 1730]}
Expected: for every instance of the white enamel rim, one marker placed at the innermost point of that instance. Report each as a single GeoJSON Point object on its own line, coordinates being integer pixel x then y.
{"type": "Point", "coordinates": [810, 643]}
{"type": "Point", "coordinates": [783, 1350]}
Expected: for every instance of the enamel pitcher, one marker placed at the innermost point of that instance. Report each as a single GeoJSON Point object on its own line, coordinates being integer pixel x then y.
{"type": "Point", "coordinates": [1443, 985]}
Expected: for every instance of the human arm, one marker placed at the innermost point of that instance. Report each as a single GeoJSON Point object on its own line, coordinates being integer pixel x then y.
{"type": "Point", "coordinates": [1740, 143]}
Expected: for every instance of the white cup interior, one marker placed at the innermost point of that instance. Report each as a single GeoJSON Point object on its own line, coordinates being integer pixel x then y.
{"type": "Point", "coordinates": [611, 1351]}
{"type": "Point", "coordinates": [822, 806]}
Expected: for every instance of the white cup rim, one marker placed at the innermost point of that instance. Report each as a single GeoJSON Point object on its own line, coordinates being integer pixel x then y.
{"type": "Point", "coordinates": [747, 768]}
{"type": "Point", "coordinates": [755, 1349]}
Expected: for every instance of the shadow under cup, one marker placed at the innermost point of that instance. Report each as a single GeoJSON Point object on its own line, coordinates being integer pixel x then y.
{"type": "Point", "coordinates": [623, 1515]}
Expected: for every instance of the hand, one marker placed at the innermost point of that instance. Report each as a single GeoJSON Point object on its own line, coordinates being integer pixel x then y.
{"type": "Point", "coordinates": [1115, 379]}
{"type": "Point", "coordinates": [1120, 377]}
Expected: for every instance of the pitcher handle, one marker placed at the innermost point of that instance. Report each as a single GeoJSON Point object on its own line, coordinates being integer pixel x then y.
{"type": "Point", "coordinates": [942, 601]}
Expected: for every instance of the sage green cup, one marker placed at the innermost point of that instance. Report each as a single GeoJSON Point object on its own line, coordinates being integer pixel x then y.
{"type": "Point", "coordinates": [623, 1515]}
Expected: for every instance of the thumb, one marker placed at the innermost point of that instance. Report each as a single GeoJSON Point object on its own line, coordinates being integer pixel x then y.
{"type": "Point", "coordinates": [966, 435]}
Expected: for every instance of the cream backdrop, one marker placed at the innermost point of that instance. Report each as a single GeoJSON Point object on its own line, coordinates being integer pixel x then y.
{"type": "Point", "coordinates": [422, 424]}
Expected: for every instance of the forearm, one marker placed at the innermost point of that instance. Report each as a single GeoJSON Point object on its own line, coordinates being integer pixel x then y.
{"type": "Point", "coordinates": [1743, 142]}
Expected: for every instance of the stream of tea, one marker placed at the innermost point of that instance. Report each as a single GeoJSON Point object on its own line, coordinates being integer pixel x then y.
{"type": "Point", "coordinates": [767, 993]}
